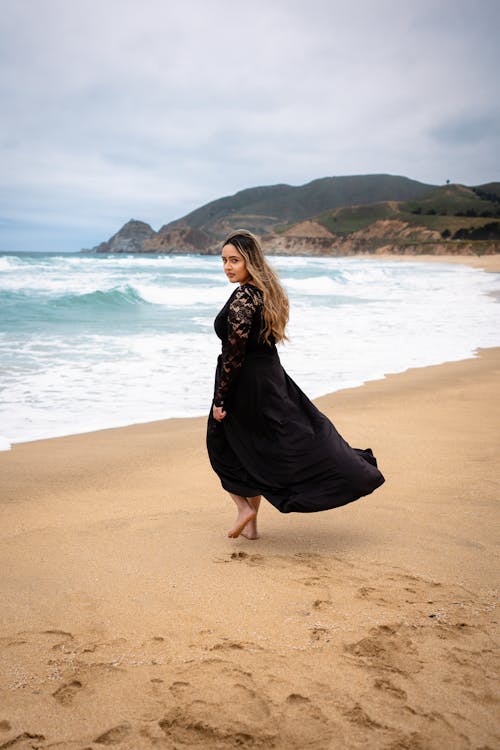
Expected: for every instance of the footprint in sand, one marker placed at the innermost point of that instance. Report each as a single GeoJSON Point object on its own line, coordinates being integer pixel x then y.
{"type": "Point", "coordinates": [413, 741]}
{"type": "Point", "coordinates": [251, 559]}
{"type": "Point", "coordinates": [357, 715]}
{"type": "Point", "coordinates": [54, 631]}
{"type": "Point", "coordinates": [303, 724]}
{"type": "Point", "coordinates": [179, 685]}
{"type": "Point", "coordinates": [309, 559]}
{"type": "Point", "coordinates": [66, 693]}
{"type": "Point", "coordinates": [237, 714]}
{"type": "Point", "coordinates": [297, 698]}
{"type": "Point", "coordinates": [321, 603]}
{"type": "Point", "coordinates": [366, 591]}
{"type": "Point", "coordinates": [227, 646]}
{"type": "Point", "coordinates": [373, 594]}
{"type": "Point", "coordinates": [113, 736]}
{"type": "Point", "coordinates": [388, 687]}
{"type": "Point", "coordinates": [313, 581]}
{"type": "Point", "coordinates": [320, 635]}
{"type": "Point", "coordinates": [388, 647]}
{"type": "Point", "coordinates": [24, 737]}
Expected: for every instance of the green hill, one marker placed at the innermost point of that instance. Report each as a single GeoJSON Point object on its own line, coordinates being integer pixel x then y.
{"type": "Point", "coordinates": [360, 213]}
{"type": "Point", "coordinates": [489, 191]}
{"type": "Point", "coordinates": [353, 218]}
{"type": "Point", "coordinates": [261, 209]}
{"type": "Point", "coordinates": [448, 209]}
{"type": "Point", "coordinates": [456, 200]}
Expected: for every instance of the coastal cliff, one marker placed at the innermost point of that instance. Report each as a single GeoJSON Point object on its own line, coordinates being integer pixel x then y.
{"type": "Point", "coordinates": [129, 239]}
{"type": "Point", "coordinates": [386, 236]}
{"type": "Point", "coordinates": [328, 217]}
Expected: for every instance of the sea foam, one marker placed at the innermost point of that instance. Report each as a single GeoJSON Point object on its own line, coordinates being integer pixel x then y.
{"type": "Point", "coordinates": [88, 342]}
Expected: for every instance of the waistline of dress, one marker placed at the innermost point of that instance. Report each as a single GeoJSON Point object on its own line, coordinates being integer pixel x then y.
{"type": "Point", "coordinates": [267, 353]}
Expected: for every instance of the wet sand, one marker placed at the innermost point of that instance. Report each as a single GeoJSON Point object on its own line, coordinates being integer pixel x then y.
{"type": "Point", "coordinates": [129, 619]}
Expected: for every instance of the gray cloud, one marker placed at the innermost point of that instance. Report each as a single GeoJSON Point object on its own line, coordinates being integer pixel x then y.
{"type": "Point", "coordinates": [470, 130]}
{"type": "Point", "coordinates": [150, 109]}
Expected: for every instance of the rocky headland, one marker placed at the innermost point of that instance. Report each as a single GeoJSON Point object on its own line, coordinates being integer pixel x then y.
{"type": "Point", "coordinates": [328, 217]}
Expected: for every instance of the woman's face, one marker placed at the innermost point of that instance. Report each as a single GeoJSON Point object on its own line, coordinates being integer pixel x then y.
{"type": "Point", "coordinates": [234, 265]}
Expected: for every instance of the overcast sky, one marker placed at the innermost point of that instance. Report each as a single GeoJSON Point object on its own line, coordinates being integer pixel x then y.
{"type": "Point", "coordinates": [147, 109]}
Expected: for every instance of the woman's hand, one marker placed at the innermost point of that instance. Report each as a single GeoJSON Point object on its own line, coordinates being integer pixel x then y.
{"type": "Point", "coordinates": [218, 413]}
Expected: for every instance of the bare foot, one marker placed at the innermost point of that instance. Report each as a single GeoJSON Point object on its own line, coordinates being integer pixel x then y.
{"type": "Point", "coordinates": [245, 514]}
{"type": "Point", "coordinates": [250, 530]}
{"type": "Point", "coordinates": [250, 534]}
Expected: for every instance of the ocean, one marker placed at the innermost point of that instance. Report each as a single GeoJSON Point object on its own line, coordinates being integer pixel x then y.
{"type": "Point", "coordinates": [95, 341]}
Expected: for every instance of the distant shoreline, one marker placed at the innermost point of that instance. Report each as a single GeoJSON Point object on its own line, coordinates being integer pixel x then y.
{"type": "Point", "coordinates": [490, 263]}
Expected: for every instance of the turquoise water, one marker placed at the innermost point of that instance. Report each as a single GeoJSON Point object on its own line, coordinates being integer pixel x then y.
{"type": "Point", "coordinates": [88, 341]}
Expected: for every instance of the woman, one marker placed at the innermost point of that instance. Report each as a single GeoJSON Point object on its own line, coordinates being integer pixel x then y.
{"type": "Point", "coordinates": [264, 436]}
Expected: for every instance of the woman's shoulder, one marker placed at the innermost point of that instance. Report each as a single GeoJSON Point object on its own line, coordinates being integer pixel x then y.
{"type": "Point", "coordinates": [246, 299]}
{"type": "Point", "coordinates": [249, 291]}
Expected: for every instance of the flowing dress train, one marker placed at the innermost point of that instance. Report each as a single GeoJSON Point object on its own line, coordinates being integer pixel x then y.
{"type": "Point", "coordinates": [273, 441]}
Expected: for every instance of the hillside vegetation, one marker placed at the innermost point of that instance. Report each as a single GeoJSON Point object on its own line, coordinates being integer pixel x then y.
{"type": "Point", "coordinates": [260, 209]}
{"type": "Point", "coordinates": [454, 211]}
{"type": "Point", "coordinates": [334, 216]}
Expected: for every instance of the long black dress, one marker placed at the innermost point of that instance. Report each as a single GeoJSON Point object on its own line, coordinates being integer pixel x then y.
{"type": "Point", "coordinates": [273, 440]}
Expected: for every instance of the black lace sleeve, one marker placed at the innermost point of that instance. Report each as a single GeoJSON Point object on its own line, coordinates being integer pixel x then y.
{"type": "Point", "coordinates": [239, 322]}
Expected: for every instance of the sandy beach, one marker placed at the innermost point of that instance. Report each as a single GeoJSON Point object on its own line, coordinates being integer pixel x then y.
{"type": "Point", "coordinates": [129, 619]}
{"type": "Point", "coordinates": [486, 262]}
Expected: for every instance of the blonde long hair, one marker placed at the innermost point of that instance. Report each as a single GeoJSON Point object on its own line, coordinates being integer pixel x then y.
{"type": "Point", "coordinates": [275, 311]}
